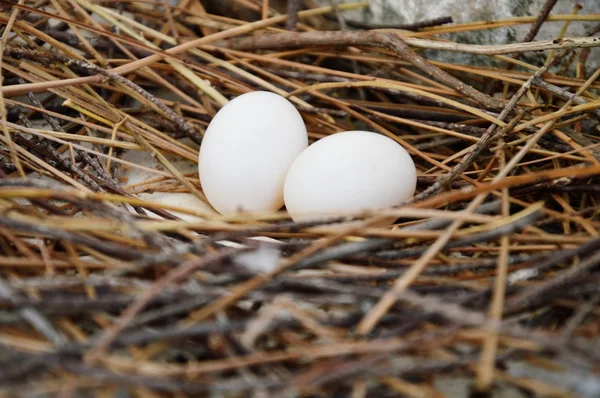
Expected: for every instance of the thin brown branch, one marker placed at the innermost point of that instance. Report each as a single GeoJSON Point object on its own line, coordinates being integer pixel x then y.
{"type": "Point", "coordinates": [373, 39]}
{"type": "Point", "coordinates": [535, 27]}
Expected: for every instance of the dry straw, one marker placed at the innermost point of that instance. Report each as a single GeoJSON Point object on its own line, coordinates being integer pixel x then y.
{"type": "Point", "coordinates": [104, 289]}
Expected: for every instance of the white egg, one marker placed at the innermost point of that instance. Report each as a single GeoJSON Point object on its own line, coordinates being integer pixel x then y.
{"type": "Point", "coordinates": [247, 150]}
{"type": "Point", "coordinates": [349, 172]}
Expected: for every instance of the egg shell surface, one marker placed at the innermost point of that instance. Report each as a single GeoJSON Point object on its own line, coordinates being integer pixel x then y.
{"type": "Point", "coordinates": [347, 173]}
{"type": "Point", "coordinates": [247, 150]}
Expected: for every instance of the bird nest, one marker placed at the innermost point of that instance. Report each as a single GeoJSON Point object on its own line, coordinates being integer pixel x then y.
{"type": "Point", "coordinates": [118, 279]}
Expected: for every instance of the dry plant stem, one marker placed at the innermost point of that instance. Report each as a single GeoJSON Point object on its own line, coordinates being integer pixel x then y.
{"type": "Point", "coordinates": [461, 194]}
{"type": "Point", "coordinates": [396, 44]}
{"type": "Point", "coordinates": [178, 120]}
{"type": "Point", "coordinates": [485, 375]}
{"type": "Point", "coordinates": [373, 39]}
{"type": "Point", "coordinates": [580, 316]}
{"type": "Point", "coordinates": [97, 272]}
{"type": "Point", "coordinates": [570, 273]}
{"type": "Point", "coordinates": [595, 29]}
{"type": "Point", "coordinates": [489, 137]}
{"type": "Point", "coordinates": [584, 141]}
{"type": "Point", "coordinates": [109, 248]}
{"type": "Point", "coordinates": [172, 27]}
{"type": "Point", "coordinates": [293, 8]}
{"type": "Point", "coordinates": [343, 27]}
{"type": "Point", "coordinates": [431, 305]}
{"type": "Point", "coordinates": [167, 256]}
{"type": "Point", "coordinates": [152, 238]}
{"type": "Point", "coordinates": [253, 283]}
{"type": "Point", "coordinates": [392, 42]}
{"type": "Point", "coordinates": [64, 161]}
{"type": "Point", "coordinates": [542, 264]}
{"type": "Point", "coordinates": [132, 66]}
{"type": "Point", "coordinates": [558, 280]}
{"type": "Point", "coordinates": [576, 8]}
{"type": "Point", "coordinates": [176, 387]}
{"type": "Point", "coordinates": [115, 18]}
{"type": "Point", "coordinates": [104, 342]}
{"type": "Point", "coordinates": [3, 121]}
{"type": "Point", "coordinates": [163, 160]}
{"type": "Point", "coordinates": [535, 27]}
{"type": "Point", "coordinates": [461, 315]}
{"type": "Point", "coordinates": [413, 26]}
{"type": "Point", "coordinates": [369, 321]}
{"type": "Point", "coordinates": [485, 236]}
{"type": "Point", "coordinates": [38, 321]}
{"type": "Point", "coordinates": [46, 59]}
{"type": "Point", "coordinates": [401, 284]}
{"type": "Point", "coordinates": [347, 249]}
{"type": "Point", "coordinates": [265, 9]}
{"type": "Point", "coordinates": [115, 44]}
{"type": "Point", "coordinates": [538, 82]}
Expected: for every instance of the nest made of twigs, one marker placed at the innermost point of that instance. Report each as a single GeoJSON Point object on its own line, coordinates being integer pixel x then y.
{"type": "Point", "coordinates": [118, 278]}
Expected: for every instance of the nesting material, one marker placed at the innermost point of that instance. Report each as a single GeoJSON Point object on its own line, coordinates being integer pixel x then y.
{"type": "Point", "coordinates": [117, 279]}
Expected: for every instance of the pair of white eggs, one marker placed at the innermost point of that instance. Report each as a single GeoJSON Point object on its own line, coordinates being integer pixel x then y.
{"type": "Point", "coordinates": [255, 157]}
